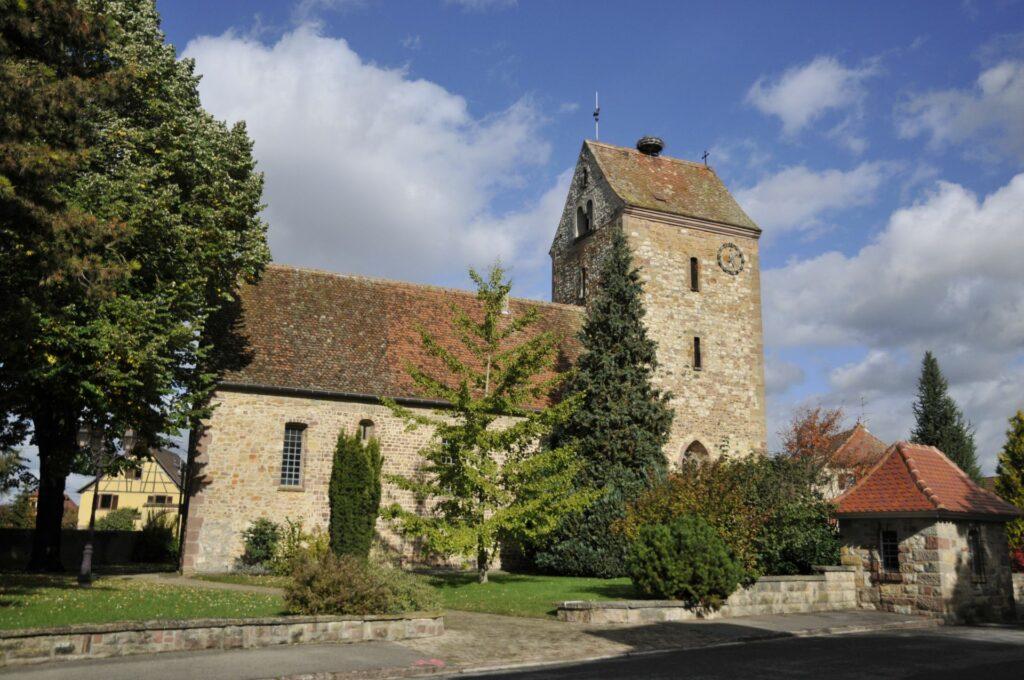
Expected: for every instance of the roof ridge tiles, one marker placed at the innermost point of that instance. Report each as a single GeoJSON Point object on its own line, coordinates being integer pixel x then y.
{"type": "Point", "coordinates": [918, 478]}
{"type": "Point", "coordinates": [661, 156]}
{"type": "Point", "coordinates": [408, 284]}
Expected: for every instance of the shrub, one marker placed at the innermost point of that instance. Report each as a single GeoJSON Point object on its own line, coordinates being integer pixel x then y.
{"type": "Point", "coordinates": [585, 543]}
{"type": "Point", "coordinates": [296, 546]}
{"type": "Point", "coordinates": [122, 519]}
{"type": "Point", "coordinates": [158, 541]}
{"type": "Point", "coordinates": [354, 586]}
{"type": "Point", "coordinates": [260, 540]}
{"type": "Point", "coordinates": [685, 560]}
{"type": "Point", "coordinates": [354, 495]}
{"type": "Point", "coordinates": [1017, 560]}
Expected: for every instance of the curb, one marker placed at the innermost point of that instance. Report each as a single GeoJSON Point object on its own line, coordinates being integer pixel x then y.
{"type": "Point", "coordinates": [767, 636]}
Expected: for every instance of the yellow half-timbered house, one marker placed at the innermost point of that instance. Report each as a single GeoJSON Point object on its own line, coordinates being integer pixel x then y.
{"type": "Point", "coordinates": [154, 487]}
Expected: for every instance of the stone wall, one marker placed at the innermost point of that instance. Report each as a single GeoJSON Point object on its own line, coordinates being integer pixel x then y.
{"type": "Point", "coordinates": [21, 647]}
{"type": "Point", "coordinates": [934, 575]}
{"type": "Point", "coordinates": [833, 589]}
{"type": "Point", "coordinates": [239, 469]}
{"type": "Point", "coordinates": [1018, 594]}
{"type": "Point", "coordinates": [722, 405]}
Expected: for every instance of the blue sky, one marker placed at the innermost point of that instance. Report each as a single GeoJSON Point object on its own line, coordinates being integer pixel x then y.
{"type": "Point", "coordinates": [878, 144]}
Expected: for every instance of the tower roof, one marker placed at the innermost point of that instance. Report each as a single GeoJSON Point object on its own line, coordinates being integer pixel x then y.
{"type": "Point", "coordinates": [669, 185]}
{"type": "Point", "coordinates": [913, 480]}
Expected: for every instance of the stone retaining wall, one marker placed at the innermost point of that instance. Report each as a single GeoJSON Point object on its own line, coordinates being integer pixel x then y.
{"type": "Point", "coordinates": [89, 641]}
{"type": "Point", "coordinates": [831, 589]}
{"type": "Point", "coordinates": [1018, 594]}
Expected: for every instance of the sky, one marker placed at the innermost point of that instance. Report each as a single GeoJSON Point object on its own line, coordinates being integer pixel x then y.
{"type": "Point", "coordinates": [879, 145]}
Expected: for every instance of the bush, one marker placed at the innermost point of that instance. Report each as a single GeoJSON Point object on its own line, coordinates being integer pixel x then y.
{"type": "Point", "coordinates": [354, 495]}
{"type": "Point", "coordinates": [158, 541]}
{"type": "Point", "coordinates": [297, 546]}
{"type": "Point", "coordinates": [1017, 560]}
{"type": "Point", "coordinates": [354, 586]}
{"type": "Point", "coordinates": [585, 543]}
{"type": "Point", "coordinates": [685, 560]}
{"type": "Point", "coordinates": [260, 540]}
{"type": "Point", "coordinates": [118, 520]}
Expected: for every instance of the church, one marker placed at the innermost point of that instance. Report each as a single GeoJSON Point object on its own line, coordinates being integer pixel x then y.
{"type": "Point", "coordinates": [324, 348]}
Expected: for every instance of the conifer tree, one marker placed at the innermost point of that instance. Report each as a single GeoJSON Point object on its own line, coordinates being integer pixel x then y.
{"type": "Point", "coordinates": [489, 481]}
{"type": "Point", "coordinates": [354, 495]}
{"type": "Point", "coordinates": [622, 423]}
{"type": "Point", "coordinates": [939, 421]}
{"type": "Point", "coordinates": [1010, 476]}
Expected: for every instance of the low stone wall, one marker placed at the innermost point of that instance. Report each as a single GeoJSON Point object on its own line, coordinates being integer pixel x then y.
{"type": "Point", "coordinates": [90, 641]}
{"type": "Point", "coordinates": [831, 589]}
{"type": "Point", "coordinates": [1018, 594]}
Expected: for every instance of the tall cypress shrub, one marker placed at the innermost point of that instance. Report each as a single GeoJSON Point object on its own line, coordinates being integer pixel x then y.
{"type": "Point", "coordinates": [354, 495]}
{"type": "Point", "coordinates": [621, 426]}
{"type": "Point", "coordinates": [939, 421]}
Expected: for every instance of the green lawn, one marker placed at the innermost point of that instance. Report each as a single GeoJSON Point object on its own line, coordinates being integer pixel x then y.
{"type": "Point", "coordinates": [29, 601]}
{"type": "Point", "coordinates": [524, 594]}
{"type": "Point", "coordinates": [246, 579]}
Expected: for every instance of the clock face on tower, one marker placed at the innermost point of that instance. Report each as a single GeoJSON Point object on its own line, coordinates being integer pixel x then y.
{"type": "Point", "coordinates": [730, 259]}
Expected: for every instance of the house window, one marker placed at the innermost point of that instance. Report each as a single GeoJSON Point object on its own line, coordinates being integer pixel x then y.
{"type": "Point", "coordinates": [582, 292]}
{"type": "Point", "coordinates": [365, 430]}
{"type": "Point", "coordinates": [890, 552]}
{"type": "Point", "coordinates": [159, 500]}
{"type": "Point", "coordinates": [976, 554]}
{"type": "Point", "coordinates": [698, 362]}
{"type": "Point", "coordinates": [108, 501]}
{"type": "Point", "coordinates": [136, 474]}
{"type": "Point", "coordinates": [694, 275]}
{"type": "Point", "coordinates": [291, 457]}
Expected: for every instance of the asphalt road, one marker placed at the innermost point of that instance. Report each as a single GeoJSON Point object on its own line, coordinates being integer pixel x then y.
{"type": "Point", "coordinates": [960, 653]}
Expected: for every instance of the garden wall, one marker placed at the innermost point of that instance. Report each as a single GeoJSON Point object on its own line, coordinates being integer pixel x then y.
{"type": "Point", "coordinates": [831, 589]}
{"type": "Point", "coordinates": [1018, 594]}
{"type": "Point", "coordinates": [90, 641]}
{"type": "Point", "coordinates": [109, 547]}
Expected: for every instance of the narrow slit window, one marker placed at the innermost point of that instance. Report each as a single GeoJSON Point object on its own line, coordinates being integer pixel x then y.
{"type": "Point", "coordinates": [890, 552]}
{"type": "Point", "coordinates": [291, 456]}
{"type": "Point", "coordinates": [698, 362]}
{"type": "Point", "coordinates": [694, 275]}
{"type": "Point", "coordinates": [583, 285]}
{"type": "Point", "coordinates": [976, 552]}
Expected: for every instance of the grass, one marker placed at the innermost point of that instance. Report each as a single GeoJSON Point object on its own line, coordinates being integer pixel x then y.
{"type": "Point", "coordinates": [510, 594]}
{"type": "Point", "coordinates": [268, 580]}
{"type": "Point", "coordinates": [523, 594]}
{"type": "Point", "coordinates": [30, 601]}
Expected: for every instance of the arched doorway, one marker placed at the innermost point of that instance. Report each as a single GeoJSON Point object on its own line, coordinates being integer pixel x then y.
{"type": "Point", "coordinates": [695, 452]}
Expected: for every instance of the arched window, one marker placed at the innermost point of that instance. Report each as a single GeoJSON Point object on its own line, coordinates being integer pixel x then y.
{"type": "Point", "coordinates": [590, 215]}
{"type": "Point", "coordinates": [582, 222]}
{"type": "Point", "coordinates": [695, 452]}
{"type": "Point", "coordinates": [291, 455]}
{"type": "Point", "coordinates": [366, 429]}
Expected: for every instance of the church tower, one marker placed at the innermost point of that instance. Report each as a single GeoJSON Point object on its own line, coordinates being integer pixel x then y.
{"type": "Point", "coordinates": [698, 256]}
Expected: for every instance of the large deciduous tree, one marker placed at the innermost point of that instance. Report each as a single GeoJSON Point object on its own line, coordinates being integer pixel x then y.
{"type": "Point", "coordinates": [621, 426]}
{"type": "Point", "coordinates": [490, 476]}
{"type": "Point", "coordinates": [121, 267]}
{"type": "Point", "coordinates": [939, 421]}
{"type": "Point", "coordinates": [1010, 477]}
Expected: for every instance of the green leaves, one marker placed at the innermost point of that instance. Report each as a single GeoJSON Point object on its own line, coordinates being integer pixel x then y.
{"type": "Point", "coordinates": [354, 495]}
{"type": "Point", "coordinates": [489, 476]}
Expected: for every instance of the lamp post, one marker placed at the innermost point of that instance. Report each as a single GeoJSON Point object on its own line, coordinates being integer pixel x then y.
{"type": "Point", "coordinates": [94, 440]}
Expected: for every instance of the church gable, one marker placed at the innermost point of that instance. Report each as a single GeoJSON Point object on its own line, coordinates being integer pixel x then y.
{"type": "Point", "coordinates": [350, 336]}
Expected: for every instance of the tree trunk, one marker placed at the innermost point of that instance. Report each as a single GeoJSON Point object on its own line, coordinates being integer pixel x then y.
{"type": "Point", "coordinates": [56, 438]}
{"type": "Point", "coordinates": [481, 561]}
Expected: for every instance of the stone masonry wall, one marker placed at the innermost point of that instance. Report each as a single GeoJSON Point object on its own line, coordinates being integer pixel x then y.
{"type": "Point", "coordinates": [831, 590]}
{"type": "Point", "coordinates": [935, 576]}
{"type": "Point", "coordinates": [240, 466]}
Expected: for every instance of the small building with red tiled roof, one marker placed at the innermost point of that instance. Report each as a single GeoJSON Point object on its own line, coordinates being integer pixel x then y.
{"type": "Point", "coordinates": [926, 538]}
{"type": "Point", "coordinates": [853, 452]}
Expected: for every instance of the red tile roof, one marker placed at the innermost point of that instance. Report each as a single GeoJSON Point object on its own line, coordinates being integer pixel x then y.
{"type": "Point", "coordinates": [856, 449]}
{"type": "Point", "coordinates": [670, 185]}
{"type": "Point", "coordinates": [918, 480]}
{"type": "Point", "coordinates": [315, 331]}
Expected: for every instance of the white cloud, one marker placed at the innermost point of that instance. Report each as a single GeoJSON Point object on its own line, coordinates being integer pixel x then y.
{"type": "Point", "coordinates": [804, 93]}
{"type": "Point", "coordinates": [481, 5]}
{"type": "Point", "coordinates": [369, 170]}
{"type": "Point", "coordinates": [797, 198]}
{"type": "Point", "coordinates": [988, 117]}
{"type": "Point", "coordinates": [781, 375]}
{"type": "Point", "coordinates": [944, 275]}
